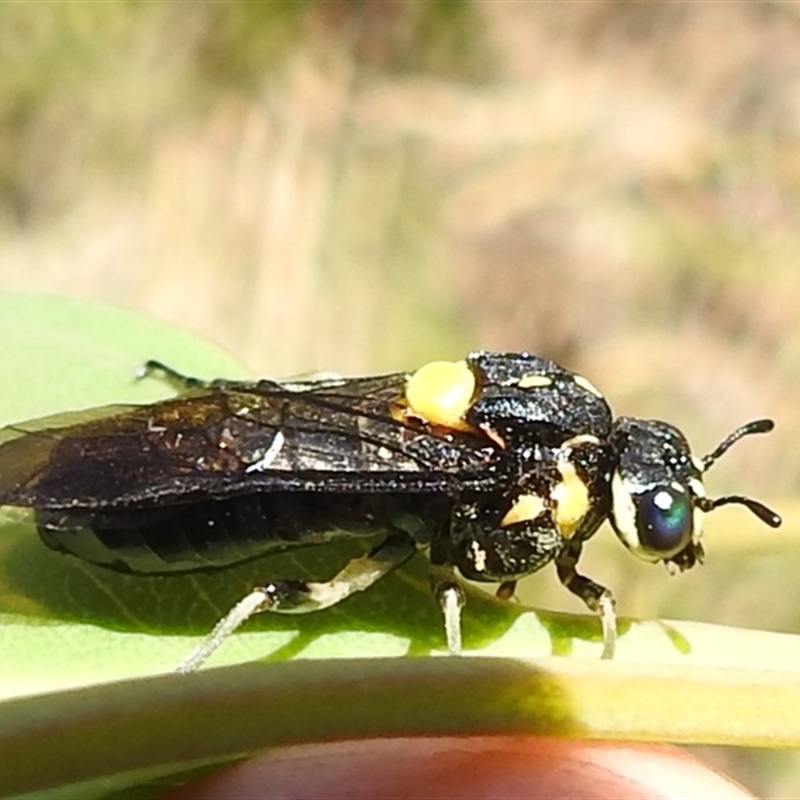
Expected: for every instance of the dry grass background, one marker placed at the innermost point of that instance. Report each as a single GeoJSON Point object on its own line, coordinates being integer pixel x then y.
{"type": "Point", "coordinates": [363, 186]}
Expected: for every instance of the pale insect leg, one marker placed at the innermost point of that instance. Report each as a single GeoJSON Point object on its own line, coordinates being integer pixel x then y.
{"type": "Point", "coordinates": [451, 598]}
{"type": "Point", "coordinates": [452, 603]}
{"type": "Point", "coordinates": [608, 621]}
{"type": "Point", "coordinates": [301, 597]}
{"type": "Point", "coordinates": [597, 597]}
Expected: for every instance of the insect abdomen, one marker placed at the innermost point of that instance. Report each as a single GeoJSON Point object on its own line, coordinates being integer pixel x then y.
{"type": "Point", "coordinates": [217, 533]}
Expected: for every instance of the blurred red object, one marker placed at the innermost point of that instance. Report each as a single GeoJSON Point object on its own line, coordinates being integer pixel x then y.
{"type": "Point", "coordinates": [467, 767]}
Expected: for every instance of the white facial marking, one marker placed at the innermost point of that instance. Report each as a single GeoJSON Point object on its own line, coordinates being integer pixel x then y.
{"type": "Point", "coordinates": [270, 455]}
{"type": "Point", "coordinates": [698, 517]}
{"type": "Point", "coordinates": [625, 516]}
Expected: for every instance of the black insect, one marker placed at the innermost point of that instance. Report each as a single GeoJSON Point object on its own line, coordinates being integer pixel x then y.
{"type": "Point", "coordinates": [496, 465]}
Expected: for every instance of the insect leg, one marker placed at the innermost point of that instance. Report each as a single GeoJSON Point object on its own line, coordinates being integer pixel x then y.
{"type": "Point", "coordinates": [301, 597]}
{"type": "Point", "coordinates": [451, 600]}
{"type": "Point", "coordinates": [171, 376]}
{"type": "Point", "coordinates": [597, 597]}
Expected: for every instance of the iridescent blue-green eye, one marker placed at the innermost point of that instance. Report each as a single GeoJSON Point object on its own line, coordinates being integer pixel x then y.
{"type": "Point", "coordinates": [663, 520]}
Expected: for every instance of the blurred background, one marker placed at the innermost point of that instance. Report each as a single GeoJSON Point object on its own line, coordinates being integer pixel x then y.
{"type": "Point", "coordinates": [364, 186]}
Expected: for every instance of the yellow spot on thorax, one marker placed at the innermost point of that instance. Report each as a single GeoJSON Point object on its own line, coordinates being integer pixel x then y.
{"type": "Point", "coordinates": [571, 499]}
{"type": "Point", "coordinates": [525, 509]}
{"type": "Point", "coordinates": [534, 380]}
{"type": "Point", "coordinates": [441, 393]}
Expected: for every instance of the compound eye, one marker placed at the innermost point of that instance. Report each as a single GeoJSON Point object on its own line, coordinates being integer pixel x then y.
{"type": "Point", "coordinates": [663, 521]}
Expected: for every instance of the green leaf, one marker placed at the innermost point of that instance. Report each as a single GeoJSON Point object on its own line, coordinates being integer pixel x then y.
{"type": "Point", "coordinates": [65, 624]}
{"type": "Point", "coordinates": [62, 354]}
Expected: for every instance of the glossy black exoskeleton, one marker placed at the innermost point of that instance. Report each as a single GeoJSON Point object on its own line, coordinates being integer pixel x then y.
{"type": "Point", "coordinates": [496, 465]}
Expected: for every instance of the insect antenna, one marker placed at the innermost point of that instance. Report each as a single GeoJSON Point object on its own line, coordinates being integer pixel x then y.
{"type": "Point", "coordinates": [765, 514]}
{"type": "Point", "coordinates": [756, 426]}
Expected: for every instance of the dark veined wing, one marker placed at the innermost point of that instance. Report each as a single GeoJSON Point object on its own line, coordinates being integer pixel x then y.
{"type": "Point", "coordinates": [231, 438]}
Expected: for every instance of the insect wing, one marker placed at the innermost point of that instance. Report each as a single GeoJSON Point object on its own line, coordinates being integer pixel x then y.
{"type": "Point", "coordinates": [330, 435]}
{"type": "Point", "coordinates": [100, 455]}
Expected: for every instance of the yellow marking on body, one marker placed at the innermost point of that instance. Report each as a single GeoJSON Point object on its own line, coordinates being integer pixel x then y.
{"type": "Point", "coordinates": [525, 509]}
{"type": "Point", "coordinates": [441, 393]}
{"type": "Point", "coordinates": [534, 380]}
{"type": "Point", "coordinates": [571, 499]}
{"type": "Point", "coordinates": [581, 438]}
{"type": "Point", "coordinates": [492, 434]}
{"type": "Point", "coordinates": [585, 383]}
